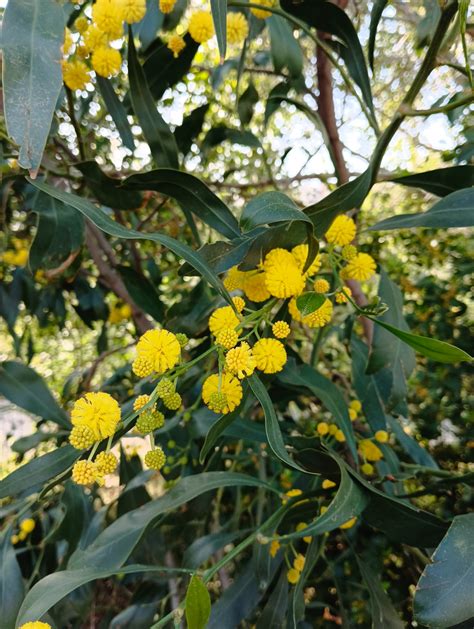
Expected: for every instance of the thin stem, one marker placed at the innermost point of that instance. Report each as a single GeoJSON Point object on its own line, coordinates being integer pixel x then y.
{"type": "Point", "coordinates": [466, 100]}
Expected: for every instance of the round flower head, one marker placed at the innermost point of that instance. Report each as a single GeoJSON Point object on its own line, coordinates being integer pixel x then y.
{"type": "Point", "coordinates": [155, 459]}
{"type": "Point", "coordinates": [280, 329]}
{"type": "Point", "coordinates": [349, 524]}
{"type": "Point", "coordinates": [81, 24]}
{"type": "Point", "coordinates": [240, 361]}
{"type": "Point", "coordinates": [342, 296]}
{"type": "Point", "coordinates": [172, 401]}
{"type": "Point", "coordinates": [94, 38]}
{"type": "Point", "coordinates": [239, 303]}
{"type": "Point", "coordinates": [226, 384]}
{"type": "Point", "coordinates": [322, 428]}
{"type": "Point", "coordinates": [106, 463]}
{"type": "Point", "coordinates": [99, 412]}
{"type": "Point", "coordinates": [82, 437]}
{"type": "Point", "coordinates": [342, 231]}
{"type": "Point", "coordinates": [300, 527]}
{"type": "Point", "coordinates": [293, 310]}
{"type": "Point", "coordinates": [356, 406]}
{"type": "Point", "coordinates": [106, 61]}
{"type": "Point", "coordinates": [27, 526]}
{"type": "Point", "coordinates": [298, 563]}
{"type": "Point", "coordinates": [165, 387]}
{"type": "Point", "coordinates": [75, 74]}
{"type": "Point", "coordinates": [348, 252]}
{"type": "Point", "coordinates": [37, 624]}
{"type": "Point", "coordinates": [361, 267]}
{"type": "Point", "coordinates": [270, 355]}
{"type": "Point", "coordinates": [140, 402]}
{"type": "Point", "coordinates": [300, 254]}
{"type": "Point", "coordinates": [274, 548]}
{"type": "Point", "coordinates": [176, 44]}
{"type": "Point", "coordinates": [133, 10]}
{"type": "Point", "coordinates": [68, 41]}
{"type": "Point", "coordinates": [234, 279]}
{"type": "Point", "coordinates": [328, 484]}
{"type": "Point", "coordinates": [223, 319]}
{"type": "Point", "coordinates": [369, 451]}
{"type": "Point", "coordinates": [293, 576]}
{"type": "Point", "coordinates": [367, 468]}
{"type": "Point", "coordinates": [321, 286]}
{"type": "Point", "coordinates": [283, 278]}
{"type": "Point", "coordinates": [319, 317]}
{"type": "Point", "coordinates": [84, 473]}
{"type": "Point", "coordinates": [339, 436]}
{"type": "Point", "coordinates": [166, 6]}
{"type": "Point", "coordinates": [149, 421]}
{"type": "Point", "coordinates": [161, 348]}
{"type": "Point", "coordinates": [261, 14]}
{"type": "Point", "coordinates": [142, 367]}
{"type": "Point", "coordinates": [201, 26]}
{"type": "Point", "coordinates": [108, 15]}
{"type": "Point", "coordinates": [237, 27]}
{"type": "Point", "coordinates": [227, 338]}
{"type": "Point", "coordinates": [255, 288]}
{"type": "Point", "coordinates": [381, 436]}
{"type": "Point", "coordinates": [352, 415]}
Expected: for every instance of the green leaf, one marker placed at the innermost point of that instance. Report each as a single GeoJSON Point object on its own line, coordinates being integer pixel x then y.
{"type": "Point", "coordinates": [441, 181]}
{"type": "Point", "coordinates": [191, 193]}
{"type": "Point", "coordinates": [286, 51]}
{"type": "Point", "coordinates": [444, 595]}
{"type": "Point", "coordinates": [222, 133]}
{"type": "Point", "coordinates": [216, 430]}
{"type": "Point", "coordinates": [219, 17]}
{"type": "Point", "coordinates": [198, 604]}
{"type": "Point", "coordinates": [38, 471]}
{"type": "Point", "coordinates": [366, 387]}
{"type": "Point", "coordinates": [12, 590]}
{"type": "Point", "coordinates": [384, 614]}
{"type": "Point", "coordinates": [106, 224]}
{"type": "Point", "coordinates": [274, 612]}
{"type": "Point", "coordinates": [376, 14]}
{"type": "Point", "coordinates": [157, 133]}
{"type": "Point", "coordinates": [308, 303]}
{"type": "Point", "coordinates": [117, 111]}
{"type": "Point", "coordinates": [454, 210]}
{"type": "Point", "coordinates": [142, 292]}
{"type": "Point", "coordinates": [431, 348]}
{"type": "Point", "coordinates": [32, 36]}
{"type": "Point", "coordinates": [191, 128]}
{"type": "Point", "coordinates": [246, 104]}
{"type": "Point", "coordinates": [25, 388]}
{"type": "Point", "coordinates": [202, 549]}
{"type": "Point", "coordinates": [269, 208]}
{"type": "Point", "coordinates": [149, 25]}
{"type": "Point", "coordinates": [107, 190]}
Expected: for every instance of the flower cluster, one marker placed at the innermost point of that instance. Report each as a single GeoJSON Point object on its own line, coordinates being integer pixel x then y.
{"type": "Point", "coordinates": [26, 527]}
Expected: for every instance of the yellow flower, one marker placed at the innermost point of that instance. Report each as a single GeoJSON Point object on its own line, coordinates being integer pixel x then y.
{"type": "Point", "coordinates": [240, 361]}
{"type": "Point", "coordinates": [82, 437]}
{"type": "Point", "coordinates": [228, 338]}
{"type": "Point", "coordinates": [85, 473]}
{"type": "Point", "coordinates": [283, 278]}
{"type": "Point", "coordinates": [349, 524]}
{"type": "Point", "coordinates": [14, 539]}
{"type": "Point", "coordinates": [68, 41]}
{"type": "Point", "coordinates": [352, 415]}
{"type": "Point", "coordinates": [223, 319]}
{"type": "Point", "coordinates": [356, 406]}
{"type": "Point", "coordinates": [381, 436]}
{"type": "Point", "coordinates": [99, 412]}
{"type": "Point", "coordinates": [367, 468]}
{"type": "Point", "coordinates": [274, 547]}
{"type": "Point", "coordinates": [75, 74]}
{"type": "Point", "coordinates": [300, 254]}
{"type": "Point", "coordinates": [141, 367]}
{"type": "Point", "coordinates": [133, 10]}
{"type": "Point", "coordinates": [260, 13]}
{"type": "Point", "coordinates": [361, 267]}
{"type": "Point", "coordinates": [172, 401]}
{"type": "Point", "coordinates": [225, 384]}
{"type": "Point", "coordinates": [301, 526]}
{"type": "Point", "coordinates": [150, 420]}
{"type": "Point", "coordinates": [342, 231]}
{"type": "Point", "coordinates": [328, 484]}
{"type": "Point", "coordinates": [165, 387]}
{"type": "Point", "coordinates": [36, 625]}
{"type": "Point", "coordinates": [166, 6]}
{"type": "Point", "coordinates": [94, 38]}
{"type": "Point", "coordinates": [292, 493]}
{"type": "Point", "coordinates": [27, 525]}
{"type": "Point", "coordinates": [323, 510]}
{"type": "Point", "coordinates": [280, 329]}
{"type": "Point", "coordinates": [319, 317]}
{"type": "Point", "coordinates": [16, 258]}
{"type": "Point", "coordinates": [321, 286]}
{"type": "Point", "coordinates": [348, 252]}
{"type": "Point", "coordinates": [368, 450]}
{"type": "Point", "coordinates": [332, 429]}
{"type": "Point", "coordinates": [237, 27]}
{"type": "Point", "coordinates": [81, 24]}
{"type": "Point", "coordinates": [201, 27]}
{"type": "Point", "coordinates": [106, 61]}
{"type": "Point", "coordinates": [293, 310]}
{"type": "Point", "coordinates": [322, 428]}
{"type": "Point", "coordinates": [140, 402]}
{"type": "Point", "coordinates": [108, 15]}
{"type": "Point", "coordinates": [239, 303]}
{"type": "Point", "coordinates": [293, 576]}
{"type": "Point", "coordinates": [255, 288]}
{"type": "Point", "coordinates": [342, 296]}
{"type": "Point", "coordinates": [270, 355]}
{"type": "Point", "coordinates": [234, 279]}
{"type": "Point", "coordinates": [106, 463]}
{"type": "Point", "coordinates": [298, 563]}
{"type": "Point", "coordinates": [155, 459]}
{"type": "Point", "coordinates": [161, 348]}
{"type": "Point", "coordinates": [339, 436]}
{"type": "Point", "coordinates": [176, 44]}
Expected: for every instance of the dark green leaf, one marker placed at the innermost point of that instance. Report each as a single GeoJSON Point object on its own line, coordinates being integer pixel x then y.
{"type": "Point", "coordinates": [106, 189]}
{"type": "Point", "coordinates": [25, 388]}
{"type": "Point", "coordinates": [441, 181]}
{"type": "Point", "coordinates": [32, 36]}
{"type": "Point", "coordinates": [142, 292]}
{"type": "Point", "coordinates": [376, 14]}
{"type": "Point", "coordinates": [309, 302]}
{"type": "Point", "coordinates": [149, 25]}
{"type": "Point", "coordinates": [275, 98]}
{"type": "Point", "coordinates": [411, 446]}
{"type": "Point", "coordinates": [117, 111]}
{"type": "Point", "coordinates": [191, 128]}
{"type": "Point", "coordinates": [219, 17]}
{"type": "Point", "coordinates": [366, 386]}
{"type": "Point", "coordinates": [157, 133]}
{"type": "Point", "coordinates": [246, 104]}
{"type": "Point", "coordinates": [221, 133]}
{"type": "Point", "coordinates": [444, 594]}
{"type": "Point", "coordinates": [215, 432]}
{"type": "Point", "coordinates": [454, 210]}
{"type": "Point", "coordinates": [203, 548]}
{"type": "Point", "coordinates": [274, 612]}
{"type": "Point", "coordinates": [12, 590]}
{"type": "Point", "coordinates": [269, 208]}
{"type": "Point", "coordinates": [198, 604]}
{"type": "Point", "coordinates": [286, 51]}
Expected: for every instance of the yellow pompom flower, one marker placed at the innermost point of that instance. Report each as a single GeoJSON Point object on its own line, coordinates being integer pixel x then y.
{"type": "Point", "coordinates": [381, 436]}
{"type": "Point", "coordinates": [300, 527]}
{"type": "Point", "coordinates": [293, 310]}
{"type": "Point", "coordinates": [176, 44]}
{"type": "Point", "coordinates": [342, 296]}
{"type": "Point", "coordinates": [106, 61]}
{"type": "Point", "coordinates": [159, 347]}
{"type": "Point", "coordinates": [99, 412]}
{"type": "Point", "coordinates": [367, 468]}
{"type": "Point", "coordinates": [141, 367]}
{"type": "Point", "coordinates": [339, 436]}
{"type": "Point", "coordinates": [94, 38]}
{"type": "Point", "coordinates": [37, 624]}
{"type": "Point", "coordinates": [82, 437]}
{"type": "Point", "coordinates": [155, 459]}
{"type": "Point", "coordinates": [319, 317]}
{"type": "Point", "coordinates": [75, 74]}
{"type": "Point", "coordinates": [332, 429]}
{"type": "Point", "coordinates": [237, 27]}
{"type": "Point", "coordinates": [166, 6]}
{"type": "Point", "coordinates": [106, 463]}
{"type": "Point", "coordinates": [356, 406]}
{"type": "Point", "coordinates": [280, 329]}
{"type": "Point", "coordinates": [270, 355]}
{"type": "Point", "coordinates": [133, 10]}
{"type": "Point", "coordinates": [369, 451]}
{"type": "Point", "coordinates": [255, 287]}
{"type": "Point", "coordinates": [261, 14]}
{"type": "Point", "coordinates": [223, 319]}
{"type": "Point", "coordinates": [322, 428]}
{"type": "Point", "coordinates": [27, 526]}
{"type": "Point", "coordinates": [321, 286]}
{"type": "Point", "coordinates": [298, 563]}
{"type": "Point", "coordinates": [342, 231]}
{"type": "Point", "coordinates": [274, 548]}
{"type": "Point", "coordinates": [292, 493]}
{"type": "Point", "coordinates": [348, 252]}
{"type": "Point", "coordinates": [172, 401]}
{"type": "Point", "coordinates": [140, 402]}
{"type": "Point", "coordinates": [239, 303]}
{"type": "Point", "coordinates": [234, 279]}
{"type": "Point", "coordinates": [283, 278]}
{"type": "Point", "coordinates": [16, 258]}
{"type": "Point", "coordinates": [349, 524]}
{"type": "Point", "coordinates": [81, 24]}
{"type": "Point", "coordinates": [240, 361]}
{"type": "Point", "coordinates": [85, 473]}
{"type": "Point", "coordinates": [225, 384]}
{"type": "Point", "coordinates": [228, 338]}
{"type": "Point", "coordinates": [293, 576]}
{"type": "Point", "coordinates": [352, 415]}
{"type": "Point", "coordinates": [108, 15]}
{"type": "Point", "coordinates": [328, 484]}
{"type": "Point", "coordinates": [68, 41]}
{"type": "Point", "coordinates": [300, 254]}
{"type": "Point", "coordinates": [361, 267]}
{"type": "Point", "coordinates": [201, 26]}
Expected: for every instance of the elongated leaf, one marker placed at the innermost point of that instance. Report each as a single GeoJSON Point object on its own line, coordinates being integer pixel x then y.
{"type": "Point", "coordinates": [286, 52]}
{"type": "Point", "coordinates": [157, 133]}
{"type": "Point", "coordinates": [308, 303]}
{"type": "Point", "coordinates": [444, 595]}
{"type": "Point", "coordinates": [198, 604]}
{"type": "Point", "coordinates": [37, 471]}
{"type": "Point", "coordinates": [142, 292]}
{"type": "Point", "coordinates": [246, 104]}
{"type": "Point", "coordinates": [215, 432]}
{"type": "Point", "coordinates": [274, 612]}
{"type": "Point", "coordinates": [222, 133]}
{"type": "Point", "coordinates": [12, 589]}
{"type": "Point", "coordinates": [191, 193]}
{"type": "Point", "coordinates": [269, 208]}
{"type": "Point", "coordinates": [431, 348]}
{"type": "Point", "coordinates": [191, 128]}
{"type": "Point", "coordinates": [106, 189]}
{"type": "Point", "coordinates": [32, 36]}
{"type": "Point", "coordinates": [441, 181]}
{"type": "Point", "coordinates": [25, 388]}
{"type": "Point", "coordinates": [454, 210]}
{"type": "Point", "coordinates": [376, 14]}
{"type": "Point", "coordinates": [219, 17]}
{"type": "Point", "coordinates": [106, 224]}
{"type": "Point", "coordinates": [384, 615]}
{"type": "Point", "coordinates": [203, 548]}
{"type": "Point", "coordinates": [117, 111]}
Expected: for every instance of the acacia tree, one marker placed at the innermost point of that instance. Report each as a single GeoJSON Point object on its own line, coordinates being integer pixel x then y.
{"type": "Point", "coordinates": [252, 343]}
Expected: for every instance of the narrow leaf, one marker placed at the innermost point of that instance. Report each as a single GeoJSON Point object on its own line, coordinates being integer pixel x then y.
{"type": "Point", "coordinates": [198, 604]}
{"type": "Point", "coordinates": [441, 181]}
{"type": "Point", "coordinates": [117, 111]}
{"type": "Point", "coordinates": [12, 589]}
{"type": "Point", "coordinates": [308, 303]}
{"type": "Point", "coordinates": [219, 17]}
{"type": "Point", "coordinates": [376, 14]}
